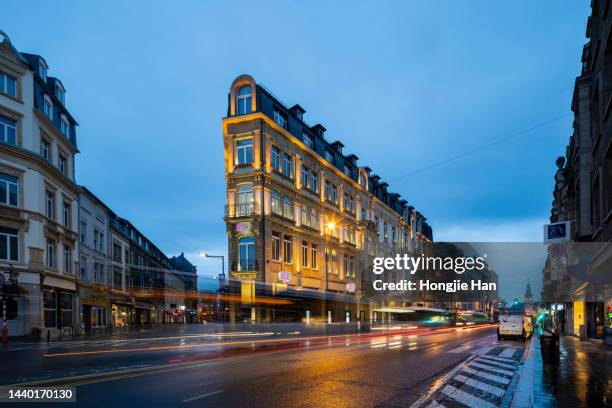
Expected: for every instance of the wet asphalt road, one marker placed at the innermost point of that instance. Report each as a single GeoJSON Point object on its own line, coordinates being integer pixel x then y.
{"type": "Point", "coordinates": [390, 369]}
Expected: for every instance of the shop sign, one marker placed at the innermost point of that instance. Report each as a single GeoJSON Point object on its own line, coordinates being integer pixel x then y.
{"type": "Point", "coordinates": [284, 276]}
{"type": "Point", "coordinates": [350, 286]}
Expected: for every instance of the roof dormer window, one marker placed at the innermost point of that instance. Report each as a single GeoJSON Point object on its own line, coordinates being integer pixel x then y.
{"type": "Point", "coordinates": [329, 156]}
{"type": "Point", "coordinates": [60, 92]}
{"type": "Point", "coordinates": [308, 140]}
{"type": "Point", "coordinates": [280, 118]}
{"type": "Point", "coordinates": [244, 98]}
{"type": "Point", "coordinates": [64, 125]}
{"type": "Point", "coordinates": [42, 69]}
{"type": "Point", "coordinates": [48, 107]}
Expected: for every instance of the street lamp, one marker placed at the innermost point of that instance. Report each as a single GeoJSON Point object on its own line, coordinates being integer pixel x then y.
{"type": "Point", "coordinates": [207, 255]}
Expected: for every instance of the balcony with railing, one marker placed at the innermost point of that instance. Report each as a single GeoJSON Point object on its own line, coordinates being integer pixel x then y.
{"type": "Point", "coordinates": [242, 210]}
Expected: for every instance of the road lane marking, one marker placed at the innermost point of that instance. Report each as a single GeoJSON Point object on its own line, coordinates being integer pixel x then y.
{"type": "Point", "coordinates": [495, 363]}
{"type": "Point", "coordinates": [491, 389]}
{"type": "Point", "coordinates": [508, 352]}
{"type": "Point", "coordinates": [459, 349]}
{"type": "Point", "coordinates": [495, 370]}
{"type": "Point", "coordinates": [465, 398]}
{"type": "Point", "coordinates": [197, 397]}
{"type": "Point", "coordinates": [108, 376]}
{"type": "Point", "coordinates": [490, 377]}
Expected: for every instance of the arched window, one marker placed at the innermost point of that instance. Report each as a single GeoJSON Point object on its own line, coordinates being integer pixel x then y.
{"type": "Point", "coordinates": [246, 254]}
{"type": "Point", "coordinates": [243, 100]}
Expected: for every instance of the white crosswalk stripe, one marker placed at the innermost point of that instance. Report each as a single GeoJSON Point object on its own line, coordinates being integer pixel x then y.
{"type": "Point", "coordinates": [466, 398]}
{"type": "Point", "coordinates": [495, 363]}
{"type": "Point", "coordinates": [489, 368]}
{"type": "Point", "coordinates": [502, 359]}
{"type": "Point", "coordinates": [490, 377]}
{"type": "Point", "coordinates": [491, 389]}
{"type": "Point", "coordinates": [483, 350]}
{"type": "Point", "coordinates": [508, 352]}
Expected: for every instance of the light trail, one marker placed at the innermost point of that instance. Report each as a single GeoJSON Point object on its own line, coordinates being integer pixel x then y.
{"type": "Point", "coordinates": [356, 337]}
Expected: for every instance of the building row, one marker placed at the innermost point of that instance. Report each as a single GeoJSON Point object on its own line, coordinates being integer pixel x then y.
{"type": "Point", "coordinates": [582, 194]}
{"type": "Point", "coordinates": [69, 264]}
{"type": "Point", "coordinates": [304, 219]}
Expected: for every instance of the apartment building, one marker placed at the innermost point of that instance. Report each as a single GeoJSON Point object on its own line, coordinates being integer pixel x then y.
{"type": "Point", "coordinates": [94, 277]}
{"type": "Point", "coordinates": [304, 220]}
{"type": "Point", "coordinates": [38, 195]}
{"type": "Point", "coordinates": [583, 186]}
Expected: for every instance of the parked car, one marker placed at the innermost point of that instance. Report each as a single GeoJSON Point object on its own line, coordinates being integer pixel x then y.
{"type": "Point", "coordinates": [515, 325]}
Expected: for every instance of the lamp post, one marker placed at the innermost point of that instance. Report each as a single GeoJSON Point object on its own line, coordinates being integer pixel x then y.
{"type": "Point", "coordinates": [221, 277]}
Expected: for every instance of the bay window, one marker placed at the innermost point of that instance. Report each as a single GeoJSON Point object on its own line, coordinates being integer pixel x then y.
{"type": "Point", "coordinates": [8, 131]}
{"type": "Point", "coordinates": [244, 151]}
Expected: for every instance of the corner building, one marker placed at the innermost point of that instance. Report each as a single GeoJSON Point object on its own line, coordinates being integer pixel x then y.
{"type": "Point", "coordinates": [304, 220]}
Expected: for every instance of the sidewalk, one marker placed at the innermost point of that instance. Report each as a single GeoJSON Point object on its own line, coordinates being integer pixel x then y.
{"type": "Point", "coordinates": [579, 380]}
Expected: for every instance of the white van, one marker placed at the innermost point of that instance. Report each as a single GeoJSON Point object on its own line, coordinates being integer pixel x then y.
{"type": "Point", "coordinates": [515, 325]}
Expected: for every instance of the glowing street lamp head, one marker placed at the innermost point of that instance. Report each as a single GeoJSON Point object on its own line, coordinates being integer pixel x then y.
{"type": "Point", "coordinates": [203, 254]}
{"type": "Point", "coordinates": [331, 226]}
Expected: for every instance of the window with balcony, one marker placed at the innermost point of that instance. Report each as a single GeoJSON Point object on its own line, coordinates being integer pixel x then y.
{"type": "Point", "coordinates": [50, 205]}
{"type": "Point", "coordinates": [8, 131]}
{"type": "Point", "coordinates": [246, 254]}
{"type": "Point", "coordinates": [288, 166]}
{"type": "Point", "coordinates": [8, 85]}
{"type": "Point", "coordinates": [9, 190]}
{"type": "Point", "coordinates": [308, 140]}
{"type": "Point", "coordinates": [245, 199]}
{"type": "Point", "coordinates": [48, 107]}
{"type": "Point", "coordinates": [45, 148]}
{"type": "Point", "coordinates": [244, 99]}
{"type": "Point", "coordinates": [9, 244]}
{"type": "Point", "coordinates": [280, 118]}
{"type": "Point", "coordinates": [276, 158]}
{"type": "Point", "coordinates": [277, 206]}
{"type": "Point", "coordinates": [287, 249]}
{"type": "Point", "coordinates": [276, 246]}
{"type": "Point", "coordinates": [313, 256]}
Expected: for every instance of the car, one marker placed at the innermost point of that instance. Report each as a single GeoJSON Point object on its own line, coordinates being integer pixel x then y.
{"type": "Point", "coordinates": [515, 325]}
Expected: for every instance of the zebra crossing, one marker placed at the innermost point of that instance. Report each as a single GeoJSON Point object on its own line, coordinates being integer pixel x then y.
{"type": "Point", "coordinates": [482, 381]}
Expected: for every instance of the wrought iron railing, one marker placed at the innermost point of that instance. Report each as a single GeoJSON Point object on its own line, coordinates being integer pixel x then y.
{"type": "Point", "coordinates": [242, 209]}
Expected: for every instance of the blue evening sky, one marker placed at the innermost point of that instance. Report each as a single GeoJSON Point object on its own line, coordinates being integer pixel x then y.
{"type": "Point", "coordinates": [402, 84]}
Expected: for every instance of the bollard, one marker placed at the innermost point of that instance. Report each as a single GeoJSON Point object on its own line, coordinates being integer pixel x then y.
{"type": "Point", "coordinates": [48, 335]}
{"type": "Point", "coordinates": [4, 335]}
